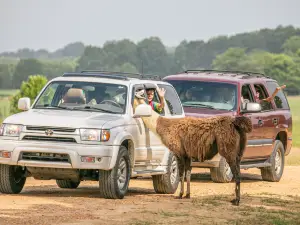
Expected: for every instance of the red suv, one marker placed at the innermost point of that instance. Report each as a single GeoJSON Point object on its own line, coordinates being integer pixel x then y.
{"type": "Point", "coordinates": [205, 93]}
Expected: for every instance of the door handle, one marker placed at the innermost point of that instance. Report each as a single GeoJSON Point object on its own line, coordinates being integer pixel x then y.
{"type": "Point", "coordinates": [260, 122]}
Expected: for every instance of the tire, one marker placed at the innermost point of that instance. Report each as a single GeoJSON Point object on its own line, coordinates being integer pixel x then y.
{"type": "Point", "coordinates": [275, 171]}
{"type": "Point", "coordinates": [67, 184]}
{"type": "Point", "coordinates": [167, 183]}
{"type": "Point", "coordinates": [12, 179]}
{"type": "Point", "coordinates": [221, 174]}
{"type": "Point", "coordinates": [108, 179]}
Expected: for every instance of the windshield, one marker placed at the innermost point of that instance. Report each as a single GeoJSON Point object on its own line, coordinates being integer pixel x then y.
{"type": "Point", "coordinates": [203, 94]}
{"type": "Point", "coordinates": [89, 96]}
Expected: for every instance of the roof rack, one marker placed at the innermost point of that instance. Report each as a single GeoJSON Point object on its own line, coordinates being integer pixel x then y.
{"type": "Point", "coordinates": [245, 74]}
{"type": "Point", "coordinates": [111, 75]}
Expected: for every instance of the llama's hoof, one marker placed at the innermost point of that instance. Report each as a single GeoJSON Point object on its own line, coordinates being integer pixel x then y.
{"type": "Point", "coordinates": [235, 202]}
{"type": "Point", "coordinates": [178, 197]}
{"type": "Point", "coordinates": [188, 196]}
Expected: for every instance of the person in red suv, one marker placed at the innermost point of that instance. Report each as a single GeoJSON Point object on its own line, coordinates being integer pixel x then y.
{"type": "Point", "coordinates": [224, 93]}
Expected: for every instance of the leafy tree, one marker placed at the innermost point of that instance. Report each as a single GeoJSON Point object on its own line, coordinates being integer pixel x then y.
{"type": "Point", "coordinates": [153, 56]}
{"type": "Point", "coordinates": [6, 73]}
{"type": "Point", "coordinates": [25, 68]}
{"type": "Point", "coordinates": [291, 45]}
{"type": "Point", "coordinates": [30, 88]}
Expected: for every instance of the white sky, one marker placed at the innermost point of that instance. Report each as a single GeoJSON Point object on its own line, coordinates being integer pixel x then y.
{"type": "Point", "coordinates": [51, 24]}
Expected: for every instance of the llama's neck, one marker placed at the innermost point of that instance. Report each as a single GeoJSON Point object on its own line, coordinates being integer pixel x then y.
{"type": "Point", "coordinates": [150, 122]}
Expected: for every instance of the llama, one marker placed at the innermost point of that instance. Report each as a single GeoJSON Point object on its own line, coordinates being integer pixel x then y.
{"type": "Point", "coordinates": [202, 139]}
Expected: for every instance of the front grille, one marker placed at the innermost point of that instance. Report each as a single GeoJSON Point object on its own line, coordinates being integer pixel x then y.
{"type": "Point", "coordinates": [55, 129]}
{"type": "Point", "coordinates": [47, 157]}
{"type": "Point", "coordinates": [44, 138]}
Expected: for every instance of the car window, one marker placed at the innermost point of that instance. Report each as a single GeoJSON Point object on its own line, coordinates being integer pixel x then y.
{"type": "Point", "coordinates": [260, 94]}
{"type": "Point", "coordinates": [155, 97]}
{"type": "Point", "coordinates": [247, 93]}
{"type": "Point", "coordinates": [172, 100]}
{"type": "Point", "coordinates": [206, 94]}
{"type": "Point", "coordinates": [77, 95]}
{"type": "Point", "coordinates": [280, 98]}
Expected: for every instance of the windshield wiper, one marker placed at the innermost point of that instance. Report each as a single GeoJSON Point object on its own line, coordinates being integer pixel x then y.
{"type": "Point", "coordinates": [47, 106]}
{"type": "Point", "coordinates": [93, 107]}
{"type": "Point", "coordinates": [198, 104]}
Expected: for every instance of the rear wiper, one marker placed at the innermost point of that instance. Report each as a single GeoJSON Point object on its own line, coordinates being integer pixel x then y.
{"type": "Point", "coordinates": [199, 104]}
{"type": "Point", "coordinates": [93, 107]}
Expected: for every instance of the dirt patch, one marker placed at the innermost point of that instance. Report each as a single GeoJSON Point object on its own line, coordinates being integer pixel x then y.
{"type": "Point", "coordinates": [42, 202]}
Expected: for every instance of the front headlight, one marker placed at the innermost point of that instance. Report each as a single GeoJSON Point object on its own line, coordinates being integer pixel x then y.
{"type": "Point", "coordinates": [12, 130]}
{"type": "Point", "coordinates": [94, 135]}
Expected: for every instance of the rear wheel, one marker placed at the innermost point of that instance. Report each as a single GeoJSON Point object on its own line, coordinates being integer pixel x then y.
{"type": "Point", "coordinates": [167, 183]}
{"type": "Point", "coordinates": [275, 171]}
{"type": "Point", "coordinates": [67, 184]}
{"type": "Point", "coordinates": [221, 174]}
{"type": "Point", "coordinates": [12, 179]}
{"type": "Point", "coordinates": [114, 183]}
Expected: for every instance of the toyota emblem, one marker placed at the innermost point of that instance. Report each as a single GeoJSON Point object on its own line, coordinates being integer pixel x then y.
{"type": "Point", "coordinates": [48, 132]}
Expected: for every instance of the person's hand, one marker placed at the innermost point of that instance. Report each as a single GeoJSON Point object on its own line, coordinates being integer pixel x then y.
{"type": "Point", "coordinates": [161, 92]}
{"type": "Point", "coordinates": [282, 87]}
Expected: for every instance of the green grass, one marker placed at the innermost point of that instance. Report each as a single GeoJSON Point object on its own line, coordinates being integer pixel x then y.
{"type": "Point", "coordinates": [4, 108]}
{"type": "Point", "coordinates": [7, 93]}
{"type": "Point", "coordinates": [295, 108]}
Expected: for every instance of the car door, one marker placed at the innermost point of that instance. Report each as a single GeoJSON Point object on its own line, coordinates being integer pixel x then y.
{"type": "Point", "coordinates": [263, 123]}
{"type": "Point", "coordinates": [140, 132]}
{"type": "Point", "coordinates": [255, 138]}
{"type": "Point", "coordinates": [173, 109]}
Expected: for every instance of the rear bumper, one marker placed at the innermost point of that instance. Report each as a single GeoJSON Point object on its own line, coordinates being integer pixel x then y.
{"type": "Point", "coordinates": [103, 154]}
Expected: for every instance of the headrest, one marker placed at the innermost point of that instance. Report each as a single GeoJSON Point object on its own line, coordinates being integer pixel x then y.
{"type": "Point", "coordinates": [74, 95]}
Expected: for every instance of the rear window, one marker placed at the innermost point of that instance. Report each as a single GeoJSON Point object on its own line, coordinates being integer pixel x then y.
{"type": "Point", "coordinates": [203, 94]}
{"type": "Point", "coordinates": [280, 98]}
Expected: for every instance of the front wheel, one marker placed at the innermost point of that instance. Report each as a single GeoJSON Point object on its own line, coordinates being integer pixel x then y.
{"type": "Point", "coordinates": [114, 183]}
{"type": "Point", "coordinates": [275, 171]}
{"type": "Point", "coordinates": [221, 174]}
{"type": "Point", "coordinates": [12, 179]}
{"type": "Point", "coordinates": [167, 183]}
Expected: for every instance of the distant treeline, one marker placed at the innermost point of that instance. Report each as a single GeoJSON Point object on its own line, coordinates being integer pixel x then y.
{"type": "Point", "coordinates": [275, 52]}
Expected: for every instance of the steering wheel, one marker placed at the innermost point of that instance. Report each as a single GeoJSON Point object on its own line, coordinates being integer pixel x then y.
{"type": "Point", "coordinates": [111, 101]}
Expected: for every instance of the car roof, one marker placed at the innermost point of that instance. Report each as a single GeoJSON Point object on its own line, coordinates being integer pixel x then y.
{"type": "Point", "coordinates": [220, 76]}
{"type": "Point", "coordinates": [110, 77]}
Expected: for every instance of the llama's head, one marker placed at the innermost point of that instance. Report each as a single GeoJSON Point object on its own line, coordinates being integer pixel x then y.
{"type": "Point", "coordinates": [138, 98]}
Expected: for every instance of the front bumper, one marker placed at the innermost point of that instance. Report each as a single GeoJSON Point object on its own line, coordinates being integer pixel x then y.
{"type": "Point", "coordinates": [103, 154]}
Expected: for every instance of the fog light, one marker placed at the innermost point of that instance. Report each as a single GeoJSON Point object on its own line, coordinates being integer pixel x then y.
{"type": "Point", "coordinates": [87, 159]}
{"type": "Point", "coordinates": [5, 154]}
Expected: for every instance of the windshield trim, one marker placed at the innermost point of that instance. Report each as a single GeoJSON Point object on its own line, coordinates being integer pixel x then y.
{"type": "Point", "coordinates": [71, 108]}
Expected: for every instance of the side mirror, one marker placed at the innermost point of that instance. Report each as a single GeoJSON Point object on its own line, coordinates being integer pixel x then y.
{"type": "Point", "coordinates": [251, 107]}
{"type": "Point", "coordinates": [142, 110]}
{"type": "Point", "coordinates": [24, 103]}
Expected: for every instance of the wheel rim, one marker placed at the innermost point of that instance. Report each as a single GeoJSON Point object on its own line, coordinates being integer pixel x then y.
{"type": "Point", "coordinates": [228, 172]}
{"type": "Point", "coordinates": [174, 170]}
{"type": "Point", "coordinates": [278, 162]}
{"type": "Point", "coordinates": [122, 173]}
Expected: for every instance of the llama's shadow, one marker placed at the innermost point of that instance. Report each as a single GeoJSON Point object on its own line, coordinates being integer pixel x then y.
{"type": "Point", "coordinates": [206, 178]}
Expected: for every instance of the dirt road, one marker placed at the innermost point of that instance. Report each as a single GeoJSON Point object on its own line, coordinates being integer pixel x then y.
{"type": "Point", "coordinates": [42, 202]}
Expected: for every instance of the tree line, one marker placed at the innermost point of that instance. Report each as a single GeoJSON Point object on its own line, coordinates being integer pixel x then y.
{"type": "Point", "coordinates": [274, 52]}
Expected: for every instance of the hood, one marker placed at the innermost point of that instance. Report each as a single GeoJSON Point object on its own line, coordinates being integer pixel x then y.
{"type": "Point", "coordinates": [202, 112]}
{"type": "Point", "coordinates": [62, 118]}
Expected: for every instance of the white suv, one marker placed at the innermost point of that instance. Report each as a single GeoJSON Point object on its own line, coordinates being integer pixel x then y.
{"type": "Point", "coordinates": [82, 127]}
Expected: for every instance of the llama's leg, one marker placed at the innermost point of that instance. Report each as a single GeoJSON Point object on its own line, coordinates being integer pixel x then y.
{"type": "Point", "coordinates": [188, 170]}
{"type": "Point", "coordinates": [235, 169]}
{"type": "Point", "coordinates": [181, 176]}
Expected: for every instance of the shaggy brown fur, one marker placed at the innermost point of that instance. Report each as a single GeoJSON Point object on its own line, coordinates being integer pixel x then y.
{"type": "Point", "coordinates": [191, 138]}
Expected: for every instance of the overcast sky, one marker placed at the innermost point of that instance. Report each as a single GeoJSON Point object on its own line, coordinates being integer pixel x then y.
{"type": "Point", "coordinates": [51, 24]}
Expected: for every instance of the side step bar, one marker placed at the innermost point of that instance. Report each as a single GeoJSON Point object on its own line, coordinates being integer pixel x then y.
{"type": "Point", "coordinates": [254, 165]}
{"type": "Point", "coordinates": [147, 172]}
